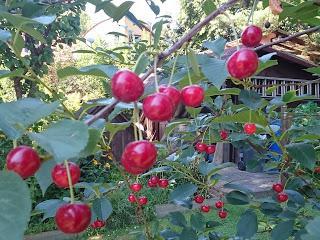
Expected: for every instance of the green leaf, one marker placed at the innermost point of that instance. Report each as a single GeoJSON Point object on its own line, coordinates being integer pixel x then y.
{"type": "Point", "coordinates": [282, 231]}
{"type": "Point", "coordinates": [94, 138]}
{"type": "Point", "coordinates": [34, 33]}
{"type": "Point", "coordinates": [264, 65]}
{"type": "Point", "coordinates": [289, 96]}
{"type": "Point", "coordinates": [198, 222]}
{"type": "Point", "coordinates": [243, 117]}
{"type": "Point", "coordinates": [17, 116]}
{"type": "Point", "coordinates": [251, 99]}
{"type": "Point", "coordinates": [42, 175]}
{"type": "Point", "coordinates": [270, 208]}
{"type": "Point", "coordinates": [208, 7]}
{"type": "Point", "coordinates": [304, 153]}
{"type": "Point", "coordinates": [178, 219]}
{"type": "Point", "coordinates": [265, 58]}
{"type": "Point", "coordinates": [106, 71]}
{"type": "Point", "coordinates": [247, 225]}
{"type": "Point", "coordinates": [172, 125]}
{"type": "Point", "coordinates": [157, 170]}
{"type": "Point", "coordinates": [215, 70]}
{"type": "Point", "coordinates": [314, 70]}
{"type": "Point", "coordinates": [194, 62]}
{"type": "Point", "coordinates": [45, 20]}
{"type": "Point", "coordinates": [122, 10]}
{"type": "Point", "coordinates": [5, 35]}
{"type": "Point", "coordinates": [295, 197]}
{"type": "Point", "coordinates": [155, 8]}
{"type": "Point", "coordinates": [49, 207]}
{"type": "Point", "coordinates": [217, 46]}
{"type": "Point", "coordinates": [194, 112]}
{"type": "Point", "coordinates": [102, 208]}
{"type": "Point", "coordinates": [237, 198]}
{"type": "Point", "coordinates": [313, 227]}
{"type": "Point", "coordinates": [113, 128]}
{"type": "Point", "coordinates": [18, 43]}
{"type": "Point", "coordinates": [183, 191]}
{"type": "Point", "coordinates": [188, 234]}
{"type": "Point", "coordinates": [142, 64]}
{"type": "Point", "coordinates": [9, 74]}
{"type": "Point", "coordinates": [157, 34]}
{"type": "Point", "coordinates": [15, 206]}
{"type": "Point", "coordinates": [214, 91]}
{"type": "Point", "coordinates": [18, 21]}
{"type": "Point", "coordinates": [64, 139]}
{"type": "Point", "coordinates": [218, 102]}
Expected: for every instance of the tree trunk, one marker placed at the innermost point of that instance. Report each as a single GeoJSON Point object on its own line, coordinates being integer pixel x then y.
{"type": "Point", "coordinates": [17, 87]}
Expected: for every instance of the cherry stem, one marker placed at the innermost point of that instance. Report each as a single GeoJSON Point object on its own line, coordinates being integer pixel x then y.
{"type": "Point", "coordinates": [172, 71]}
{"type": "Point", "coordinates": [250, 116]}
{"type": "Point", "coordinates": [135, 129]}
{"type": "Point", "coordinates": [250, 17]}
{"type": "Point", "coordinates": [156, 83]}
{"type": "Point", "coordinates": [137, 119]}
{"type": "Point", "coordinates": [69, 181]}
{"type": "Point", "coordinates": [188, 70]}
{"type": "Point", "coordinates": [15, 143]}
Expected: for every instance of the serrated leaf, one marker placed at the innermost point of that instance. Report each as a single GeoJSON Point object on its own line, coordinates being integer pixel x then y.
{"type": "Point", "coordinates": [251, 99]}
{"type": "Point", "coordinates": [194, 62]}
{"type": "Point", "coordinates": [178, 219]}
{"type": "Point", "coordinates": [106, 71]}
{"type": "Point", "coordinates": [282, 231]}
{"type": "Point", "coordinates": [243, 117]}
{"type": "Point", "coordinates": [188, 234]}
{"type": "Point", "coordinates": [304, 153]}
{"type": "Point", "coordinates": [49, 207]}
{"type": "Point", "coordinates": [102, 208]}
{"type": "Point", "coordinates": [217, 46]}
{"type": "Point", "coordinates": [63, 140]}
{"type": "Point", "coordinates": [157, 34]}
{"type": "Point", "coordinates": [113, 128]}
{"type": "Point", "coordinates": [141, 64]}
{"type": "Point", "coordinates": [16, 116]}
{"type": "Point", "coordinates": [183, 191]}
{"type": "Point", "coordinates": [208, 6]}
{"type": "Point", "coordinates": [42, 175]}
{"type": "Point", "coordinates": [15, 206]}
{"type": "Point", "coordinates": [122, 10]}
{"type": "Point", "coordinates": [247, 225]}
{"type": "Point", "coordinates": [197, 222]}
{"type": "Point", "coordinates": [237, 198]}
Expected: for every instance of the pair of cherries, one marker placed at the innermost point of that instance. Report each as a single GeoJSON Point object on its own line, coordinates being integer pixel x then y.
{"type": "Point", "coordinates": [281, 196]}
{"type": "Point", "coordinates": [202, 147]}
{"type": "Point", "coordinates": [244, 62]}
{"type": "Point", "coordinates": [127, 87]}
{"type": "Point", "coordinates": [155, 181]}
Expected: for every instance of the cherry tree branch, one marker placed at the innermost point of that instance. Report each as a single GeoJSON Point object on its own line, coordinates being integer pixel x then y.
{"type": "Point", "coordinates": [165, 54]}
{"type": "Point", "coordinates": [281, 40]}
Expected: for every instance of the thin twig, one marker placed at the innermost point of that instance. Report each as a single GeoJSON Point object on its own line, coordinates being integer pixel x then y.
{"type": "Point", "coordinates": [310, 30]}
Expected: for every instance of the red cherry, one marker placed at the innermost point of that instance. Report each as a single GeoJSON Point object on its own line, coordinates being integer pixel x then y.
{"type": "Point", "coordinates": [249, 128]}
{"type": "Point", "coordinates": [24, 161]}
{"type": "Point", "coordinates": [139, 156]}
{"type": "Point", "coordinates": [192, 96]}
{"type": "Point", "coordinates": [131, 198]}
{"type": "Point", "coordinates": [154, 179]}
{"type": "Point", "coordinates": [98, 224]}
{"type": "Point", "coordinates": [199, 199]}
{"type": "Point", "coordinates": [251, 36]}
{"type": "Point", "coordinates": [205, 208]}
{"type": "Point", "coordinates": [243, 63]}
{"type": "Point", "coordinates": [278, 187]}
{"type": "Point", "coordinates": [163, 183]}
{"type": "Point", "coordinates": [201, 147]}
{"type": "Point", "coordinates": [317, 170]}
{"type": "Point", "coordinates": [219, 204]}
{"type": "Point", "coordinates": [282, 197]}
{"type": "Point", "coordinates": [60, 177]}
{"type": "Point", "coordinates": [223, 214]}
{"type": "Point", "coordinates": [136, 187]}
{"type": "Point", "coordinates": [126, 86]}
{"type": "Point", "coordinates": [224, 134]}
{"type": "Point", "coordinates": [73, 217]}
{"type": "Point", "coordinates": [173, 93]}
{"type": "Point", "coordinates": [151, 184]}
{"type": "Point", "coordinates": [143, 200]}
{"type": "Point", "coordinates": [211, 149]}
{"type": "Point", "coordinates": [158, 107]}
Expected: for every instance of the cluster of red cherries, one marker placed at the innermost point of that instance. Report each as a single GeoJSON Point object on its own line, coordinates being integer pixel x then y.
{"type": "Point", "coordinates": [281, 196]}
{"type": "Point", "coordinates": [206, 208]}
{"type": "Point", "coordinates": [153, 182]}
{"type": "Point", "coordinates": [70, 218]}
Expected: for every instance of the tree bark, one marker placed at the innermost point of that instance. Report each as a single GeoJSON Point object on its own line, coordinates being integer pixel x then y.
{"type": "Point", "coordinates": [17, 87]}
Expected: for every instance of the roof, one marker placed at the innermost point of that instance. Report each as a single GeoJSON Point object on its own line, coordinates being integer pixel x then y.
{"type": "Point", "coordinates": [298, 50]}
